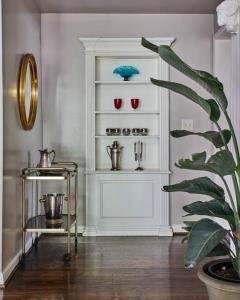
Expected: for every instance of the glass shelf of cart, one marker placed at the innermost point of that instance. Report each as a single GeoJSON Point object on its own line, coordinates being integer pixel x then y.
{"type": "Point", "coordinates": [38, 224]}
{"type": "Point", "coordinates": [52, 173]}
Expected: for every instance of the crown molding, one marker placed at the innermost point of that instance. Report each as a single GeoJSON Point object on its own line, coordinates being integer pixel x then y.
{"type": "Point", "coordinates": [125, 44]}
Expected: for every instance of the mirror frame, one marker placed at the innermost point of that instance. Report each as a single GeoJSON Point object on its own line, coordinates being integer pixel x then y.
{"type": "Point", "coordinates": [28, 121]}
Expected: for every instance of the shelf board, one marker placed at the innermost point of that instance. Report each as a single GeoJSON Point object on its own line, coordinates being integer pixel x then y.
{"type": "Point", "coordinates": [123, 82]}
{"type": "Point", "coordinates": [112, 112]}
{"type": "Point", "coordinates": [146, 171]}
{"type": "Point", "coordinates": [31, 177]}
{"type": "Point", "coordinates": [38, 224]}
{"type": "Point", "coordinates": [127, 136]}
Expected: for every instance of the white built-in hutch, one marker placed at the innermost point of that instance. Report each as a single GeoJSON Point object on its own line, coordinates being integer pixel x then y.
{"type": "Point", "coordinates": [126, 202]}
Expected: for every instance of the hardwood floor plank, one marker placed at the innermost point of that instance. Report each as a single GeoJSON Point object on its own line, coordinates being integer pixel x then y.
{"type": "Point", "coordinates": [107, 268]}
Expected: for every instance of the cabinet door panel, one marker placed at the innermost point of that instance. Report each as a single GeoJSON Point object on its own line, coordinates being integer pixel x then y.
{"type": "Point", "coordinates": [127, 199]}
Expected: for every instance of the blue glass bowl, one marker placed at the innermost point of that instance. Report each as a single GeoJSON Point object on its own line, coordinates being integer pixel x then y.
{"type": "Point", "coordinates": [126, 72]}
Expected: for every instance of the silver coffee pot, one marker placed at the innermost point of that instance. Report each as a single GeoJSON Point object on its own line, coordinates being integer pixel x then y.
{"type": "Point", "coordinates": [45, 158]}
{"type": "Point", "coordinates": [114, 153]}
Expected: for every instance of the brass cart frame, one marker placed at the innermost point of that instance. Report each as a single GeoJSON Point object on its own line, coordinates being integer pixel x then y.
{"type": "Point", "coordinates": [59, 171]}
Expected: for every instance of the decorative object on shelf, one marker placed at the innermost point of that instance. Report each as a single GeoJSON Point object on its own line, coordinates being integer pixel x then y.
{"type": "Point", "coordinates": [144, 131]}
{"type": "Point", "coordinates": [114, 153]}
{"type": "Point", "coordinates": [136, 131]}
{"type": "Point", "coordinates": [28, 91]}
{"type": "Point", "coordinates": [134, 103]}
{"type": "Point", "coordinates": [138, 154]}
{"type": "Point", "coordinates": [113, 131]}
{"type": "Point", "coordinates": [108, 131]}
{"type": "Point", "coordinates": [116, 131]}
{"type": "Point", "coordinates": [126, 72]}
{"type": "Point", "coordinates": [117, 103]}
{"type": "Point", "coordinates": [53, 206]}
{"type": "Point", "coordinates": [205, 236]}
{"type": "Point", "coordinates": [126, 131]}
{"type": "Point", "coordinates": [45, 158]}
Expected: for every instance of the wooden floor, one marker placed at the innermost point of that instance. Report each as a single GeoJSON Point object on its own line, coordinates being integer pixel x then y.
{"type": "Point", "coordinates": [119, 268]}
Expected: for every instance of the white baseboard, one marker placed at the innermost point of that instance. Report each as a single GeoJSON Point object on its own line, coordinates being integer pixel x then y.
{"type": "Point", "coordinates": [178, 228]}
{"type": "Point", "coordinates": [81, 229]}
{"type": "Point", "coordinates": [1, 281]}
{"type": "Point", "coordinates": [13, 264]}
{"type": "Point", "coordinates": [126, 231]}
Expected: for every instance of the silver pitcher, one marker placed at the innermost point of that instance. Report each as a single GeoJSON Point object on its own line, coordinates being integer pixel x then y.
{"type": "Point", "coordinates": [45, 158]}
{"type": "Point", "coordinates": [114, 153]}
{"type": "Point", "coordinates": [53, 205]}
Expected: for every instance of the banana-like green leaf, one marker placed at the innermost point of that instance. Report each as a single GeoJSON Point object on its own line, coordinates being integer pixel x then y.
{"type": "Point", "coordinates": [204, 237]}
{"type": "Point", "coordinates": [212, 136]}
{"type": "Point", "coordinates": [212, 208]}
{"type": "Point", "coordinates": [238, 170]}
{"type": "Point", "coordinates": [236, 263]}
{"type": "Point", "coordinates": [188, 225]}
{"type": "Point", "coordinates": [149, 45]}
{"type": "Point", "coordinates": [209, 105]}
{"type": "Point", "coordinates": [207, 75]}
{"type": "Point", "coordinates": [201, 185]}
{"type": "Point", "coordinates": [220, 250]}
{"type": "Point", "coordinates": [212, 86]}
{"type": "Point", "coordinates": [215, 110]}
{"type": "Point", "coordinates": [222, 163]}
{"type": "Point", "coordinates": [206, 80]}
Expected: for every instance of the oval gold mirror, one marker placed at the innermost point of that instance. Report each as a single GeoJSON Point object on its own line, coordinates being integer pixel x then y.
{"type": "Point", "coordinates": [28, 91]}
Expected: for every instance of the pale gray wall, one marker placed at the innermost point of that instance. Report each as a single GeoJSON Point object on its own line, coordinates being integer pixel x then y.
{"type": "Point", "coordinates": [21, 34]}
{"type": "Point", "coordinates": [63, 93]}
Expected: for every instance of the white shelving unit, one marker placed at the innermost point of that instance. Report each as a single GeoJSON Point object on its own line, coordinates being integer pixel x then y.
{"type": "Point", "coordinates": [126, 202]}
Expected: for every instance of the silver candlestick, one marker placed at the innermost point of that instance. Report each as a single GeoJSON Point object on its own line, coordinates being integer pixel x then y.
{"type": "Point", "coordinates": [138, 154]}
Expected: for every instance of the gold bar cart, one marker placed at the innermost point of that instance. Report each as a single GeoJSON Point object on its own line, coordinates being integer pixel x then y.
{"type": "Point", "coordinates": [37, 224]}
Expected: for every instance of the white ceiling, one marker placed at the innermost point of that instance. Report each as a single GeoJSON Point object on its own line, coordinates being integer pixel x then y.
{"type": "Point", "coordinates": [129, 6]}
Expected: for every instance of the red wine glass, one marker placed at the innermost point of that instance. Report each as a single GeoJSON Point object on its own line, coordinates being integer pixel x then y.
{"type": "Point", "coordinates": [117, 103]}
{"type": "Point", "coordinates": [134, 103]}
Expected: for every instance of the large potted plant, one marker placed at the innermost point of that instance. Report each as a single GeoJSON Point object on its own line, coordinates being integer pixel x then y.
{"type": "Point", "coordinates": [207, 237]}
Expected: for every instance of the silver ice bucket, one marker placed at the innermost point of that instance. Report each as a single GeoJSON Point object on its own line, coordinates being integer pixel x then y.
{"type": "Point", "coordinates": [53, 206]}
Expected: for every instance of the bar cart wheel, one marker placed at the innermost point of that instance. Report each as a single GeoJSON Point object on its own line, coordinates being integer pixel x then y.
{"type": "Point", "coordinates": [76, 245]}
{"type": "Point", "coordinates": [36, 242]}
{"type": "Point", "coordinates": [23, 257]}
{"type": "Point", "coordinates": [22, 262]}
{"type": "Point", "coordinates": [66, 257]}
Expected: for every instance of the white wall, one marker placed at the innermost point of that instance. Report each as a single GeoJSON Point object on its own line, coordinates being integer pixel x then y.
{"type": "Point", "coordinates": [63, 90]}
{"type": "Point", "coordinates": [21, 35]}
{"type": "Point", "coordinates": [222, 66]}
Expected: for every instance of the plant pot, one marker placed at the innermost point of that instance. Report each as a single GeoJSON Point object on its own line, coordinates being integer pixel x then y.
{"type": "Point", "coordinates": [218, 289]}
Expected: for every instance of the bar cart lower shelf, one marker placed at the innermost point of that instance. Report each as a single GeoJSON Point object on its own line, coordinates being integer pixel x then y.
{"type": "Point", "coordinates": [37, 224]}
